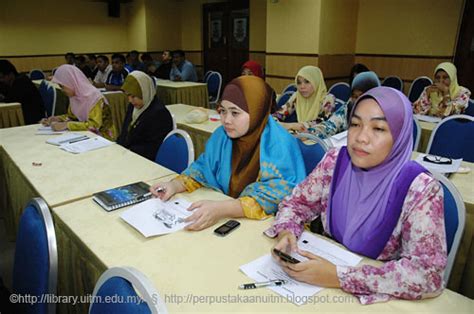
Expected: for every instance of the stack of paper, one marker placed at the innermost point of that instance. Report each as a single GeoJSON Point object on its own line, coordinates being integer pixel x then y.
{"type": "Point", "coordinates": [441, 168]}
{"type": "Point", "coordinates": [67, 138]}
{"type": "Point", "coordinates": [47, 130]}
{"type": "Point", "coordinates": [85, 145]}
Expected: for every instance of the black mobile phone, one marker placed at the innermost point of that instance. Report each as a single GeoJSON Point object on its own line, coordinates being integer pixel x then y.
{"type": "Point", "coordinates": [226, 228]}
{"type": "Point", "coordinates": [285, 257]}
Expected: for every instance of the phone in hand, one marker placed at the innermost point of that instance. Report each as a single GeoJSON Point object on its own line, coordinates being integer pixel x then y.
{"type": "Point", "coordinates": [226, 228]}
{"type": "Point", "coordinates": [285, 257]}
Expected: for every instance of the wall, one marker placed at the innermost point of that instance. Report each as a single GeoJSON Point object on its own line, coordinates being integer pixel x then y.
{"type": "Point", "coordinates": [137, 21]}
{"type": "Point", "coordinates": [163, 32]}
{"type": "Point", "coordinates": [258, 30]}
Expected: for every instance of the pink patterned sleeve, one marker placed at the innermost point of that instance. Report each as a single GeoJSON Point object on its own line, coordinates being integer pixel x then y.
{"type": "Point", "coordinates": [423, 104]}
{"type": "Point", "coordinates": [308, 199]}
{"type": "Point", "coordinates": [460, 103]}
{"type": "Point", "coordinates": [417, 269]}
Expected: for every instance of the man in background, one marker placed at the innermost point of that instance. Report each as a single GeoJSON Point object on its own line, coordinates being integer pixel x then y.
{"type": "Point", "coordinates": [118, 74]}
{"type": "Point", "coordinates": [103, 70]}
{"type": "Point", "coordinates": [91, 61]}
{"type": "Point", "coordinates": [82, 65]}
{"type": "Point", "coordinates": [182, 69]}
{"type": "Point", "coordinates": [70, 58]}
{"type": "Point", "coordinates": [164, 69]}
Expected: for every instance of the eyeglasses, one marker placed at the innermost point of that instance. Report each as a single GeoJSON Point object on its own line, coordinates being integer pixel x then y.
{"type": "Point", "coordinates": [438, 160]}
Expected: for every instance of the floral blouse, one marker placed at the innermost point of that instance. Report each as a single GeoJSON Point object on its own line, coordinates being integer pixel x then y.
{"type": "Point", "coordinates": [99, 121]}
{"type": "Point", "coordinates": [415, 255]}
{"type": "Point", "coordinates": [327, 108]}
{"type": "Point", "coordinates": [453, 106]}
{"type": "Point", "coordinates": [336, 123]}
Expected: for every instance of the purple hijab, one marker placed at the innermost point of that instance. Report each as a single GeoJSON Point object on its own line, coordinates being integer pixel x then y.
{"type": "Point", "coordinates": [365, 205]}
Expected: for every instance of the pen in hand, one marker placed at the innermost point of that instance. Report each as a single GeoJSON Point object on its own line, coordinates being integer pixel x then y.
{"type": "Point", "coordinates": [147, 195]}
{"type": "Point", "coordinates": [275, 282]}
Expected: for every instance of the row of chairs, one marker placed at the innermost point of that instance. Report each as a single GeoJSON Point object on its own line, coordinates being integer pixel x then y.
{"type": "Point", "coordinates": [213, 80]}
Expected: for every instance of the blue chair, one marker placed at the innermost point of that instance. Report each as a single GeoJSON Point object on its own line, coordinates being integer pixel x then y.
{"type": "Point", "coordinates": [36, 259]}
{"type": "Point", "coordinates": [48, 94]}
{"type": "Point", "coordinates": [416, 133]}
{"type": "Point", "coordinates": [341, 91]}
{"type": "Point", "coordinates": [214, 84]}
{"type": "Point", "coordinates": [312, 152]}
{"type": "Point", "coordinates": [136, 291]}
{"type": "Point", "coordinates": [470, 108]}
{"type": "Point", "coordinates": [36, 74]}
{"type": "Point", "coordinates": [453, 137]}
{"type": "Point", "coordinates": [339, 103]}
{"type": "Point", "coordinates": [417, 87]}
{"type": "Point", "coordinates": [290, 88]}
{"type": "Point", "coordinates": [454, 219]}
{"type": "Point", "coordinates": [176, 152]}
{"type": "Point", "coordinates": [206, 76]}
{"type": "Point", "coordinates": [283, 99]}
{"type": "Point", "coordinates": [394, 82]}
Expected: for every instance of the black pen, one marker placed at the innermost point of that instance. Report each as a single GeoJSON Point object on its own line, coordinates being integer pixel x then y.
{"type": "Point", "coordinates": [78, 140]}
{"type": "Point", "coordinates": [255, 285]}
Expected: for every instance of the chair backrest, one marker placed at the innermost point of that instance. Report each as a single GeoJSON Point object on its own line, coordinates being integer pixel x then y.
{"type": "Point", "coordinates": [176, 152]}
{"type": "Point", "coordinates": [341, 91]}
{"type": "Point", "coordinates": [417, 87]}
{"type": "Point", "coordinates": [206, 76]}
{"type": "Point", "coordinates": [454, 219]}
{"type": "Point", "coordinates": [470, 108]}
{"type": "Point", "coordinates": [339, 103]}
{"type": "Point", "coordinates": [214, 84]}
{"type": "Point", "coordinates": [283, 99]}
{"type": "Point", "coordinates": [312, 152]}
{"type": "Point", "coordinates": [48, 94]}
{"type": "Point", "coordinates": [290, 88]}
{"type": "Point", "coordinates": [416, 133]}
{"type": "Point", "coordinates": [130, 285]}
{"type": "Point", "coordinates": [36, 259]}
{"type": "Point", "coordinates": [453, 137]}
{"type": "Point", "coordinates": [175, 125]}
{"type": "Point", "coordinates": [37, 74]}
{"type": "Point", "coordinates": [394, 82]}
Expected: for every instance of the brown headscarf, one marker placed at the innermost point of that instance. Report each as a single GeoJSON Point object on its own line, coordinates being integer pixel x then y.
{"type": "Point", "coordinates": [254, 96]}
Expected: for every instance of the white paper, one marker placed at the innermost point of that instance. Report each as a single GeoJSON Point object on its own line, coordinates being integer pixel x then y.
{"type": "Point", "coordinates": [66, 138]}
{"type": "Point", "coordinates": [83, 146]}
{"type": "Point", "coordinates": [266, 268]}
{"type": "Point", "coordinates": [453, 167]}
{"type": "Point", "coordinates": [155, 217]}
{"type": "Point", "coordinates": [338, 140]}
{"type": "Point", "coordinates": [47, 130]}
{"type": "Point", "coordinates": [422, 117]}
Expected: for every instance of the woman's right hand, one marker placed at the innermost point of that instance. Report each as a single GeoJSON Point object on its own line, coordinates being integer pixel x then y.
{"type": "Point", "coordinates": [48, 121]}
{"type": "Point", "coordinates": [286, 243]}
{"type": "Point", "coordinates": [294, 126]}
{"type": "Point", "coordinates": [166, 190]}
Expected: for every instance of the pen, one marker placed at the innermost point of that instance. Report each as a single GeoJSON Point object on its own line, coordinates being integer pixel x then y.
{"type": "Point", "coordinates": [275, 282]}
{"type": "Point", "coordinates": [78, 140]}
{"type": "Point", "coordinates": [146, 195]}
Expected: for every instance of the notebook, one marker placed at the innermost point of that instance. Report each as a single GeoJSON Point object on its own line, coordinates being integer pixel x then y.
{"type": "Point", "coordinates": [122, 196]}
{"type": "Point", "coordinates": [83, 145]}
{"type": "Point", "coordinates": [66, 138]}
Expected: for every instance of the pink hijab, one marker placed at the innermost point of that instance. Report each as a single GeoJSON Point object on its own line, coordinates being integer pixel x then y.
{"type": "Point", "coordinates": [86, 94]}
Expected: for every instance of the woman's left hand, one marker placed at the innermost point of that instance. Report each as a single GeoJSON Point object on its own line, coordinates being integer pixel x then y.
{"type": "Point", "coordinates": [442, 88]}
{"type": "Point", "coordinates": [206, 214]}
{"type": "Point", "coordinates": [59, 126]}
{"type": "Point", "coordinates": [315, 271]}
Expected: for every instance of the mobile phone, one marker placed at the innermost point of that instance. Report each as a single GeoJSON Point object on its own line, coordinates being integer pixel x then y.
{"type": "Point", "coordinates": [285, 257]}
{"type": "Point", "coordinates": [226, 228]}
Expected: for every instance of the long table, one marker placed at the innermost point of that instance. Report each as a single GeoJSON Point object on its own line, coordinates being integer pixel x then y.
{"type": "Point", "coordinates": [426, 129]}
{"type": "Point", "coordinates": [196, 272]}
{"type": "Point", "coordinates": [11, 115]}
{"type": "Point", "coordinates": [199, 132]}
{"type": "Point", "coordinates": [190, 93]}
{"type": "Point", "coordinates": [29, 167]}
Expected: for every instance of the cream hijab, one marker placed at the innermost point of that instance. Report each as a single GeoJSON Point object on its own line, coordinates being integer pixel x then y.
{"type": "Point", "coordinates": [140, 85]}
{"type": "Point", "coordinates": [307, 109]}
{"type": "Point", "coordinates": [454, 88]}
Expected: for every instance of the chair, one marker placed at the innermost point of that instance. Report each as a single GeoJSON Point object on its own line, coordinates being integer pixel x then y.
{"type": "Point", "coordinates": [290, 88]}
{"type": "Point", "coordinates": [339, 103]}
{"type": "Point", "coordinates": [176, 152]}
{"type": "Point", "coordinates": [214, 84]}
{"type": "Point", "coordinates": [312, 153]}
{"type": "Point", "coordinates": [175, 125]}
{"type": "Point", "coordinates": [283, 99]}
{"type": "Point", "coordinates": [206, 76]}
{"type": "Point", "coordinates": [133, 290]}
{"type": "Point", "coordinates": [470, 108]}
{"type": "Point", "coordinates": [36, 259]}
{"type": "Point", "coordinates": [48, 94]}
{"type": "Point", "coordinates": [394, 82]}
{"type": "Point", "coordinates": [454, 219]}
{"type": "Point", "coordinates": [36, 74]}
{"type": "Point", "coordinates": [341, 91]}
{"type": "Point", "coordinates": [416, 133]}
{"type": "Point", "coordinates": [417, 87]}
{"type": "Point", "coordinates": [453, 137]}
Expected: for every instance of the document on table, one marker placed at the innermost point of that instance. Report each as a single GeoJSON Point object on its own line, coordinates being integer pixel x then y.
{"type": "Point", "coordinates": [155, 217]}
{"type": "Point", "coordinates": [266, 268]}
{"type": "Point", "coordinates": [86, 145]}
{"type": "Point", "coordinates": [338, 140]}
{"type": "Point", "coordinates": [69, 137]}
{"type": "Point", "coordinates": [422, 117]}
{"type": "Point", "coordinates": [441, 168]}
{"type": "Point", "coordinates": [47, 130]}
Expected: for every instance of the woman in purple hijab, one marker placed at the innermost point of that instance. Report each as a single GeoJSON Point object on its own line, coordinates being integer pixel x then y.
{"type": "Point", "coordinates": [374, 201]}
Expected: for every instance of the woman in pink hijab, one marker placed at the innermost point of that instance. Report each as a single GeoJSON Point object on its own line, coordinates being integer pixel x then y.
{"type": "Point", "coordinates": [88, 108]}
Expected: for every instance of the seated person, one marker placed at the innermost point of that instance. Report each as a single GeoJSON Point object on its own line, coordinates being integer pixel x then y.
{"type": "Point", "coordinates": [103, 70]}
{"type": "Point", "coordinates": [356, 69]}
{"type": "Point", "coordinates": [311, 102]}
{"type": "Point", "coordinates": [252, 68]}
{"type": "Point", "coordinates": [250, 158]}
{"type": "Point", "coordinates": [339, 120]}
{"type": "Point", "coordinates": [118, 74]}
{"type": "Point", "coordinates": [147, 121]}
{"type": "Point", "coordinates": [91, 61]}
{"type": "Point", "coordinates": [88, 109]}
{"type": "Point", "coordinates": [133, 62]}
{"type": "Point", "coordinates": [70, 58]}
{"type": "Point", "coordinates": [164, 68]}
{"type": "Point", "coordinates": [377, 203]}
{"type": "Point", "coordinates": [182, 69]}
{"type": "Point", "coordinates": [83, 66]}
{"type": "Point", "coordinates": [19, 88]}
{"type": "Point", "coordinates": [445, 97]}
